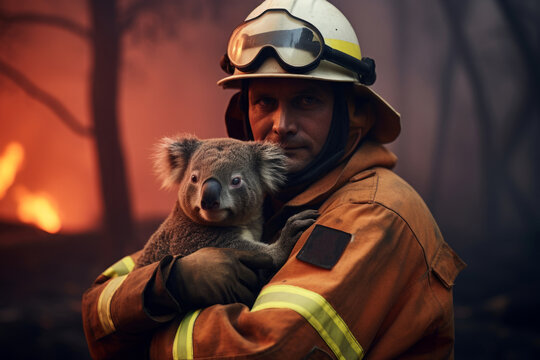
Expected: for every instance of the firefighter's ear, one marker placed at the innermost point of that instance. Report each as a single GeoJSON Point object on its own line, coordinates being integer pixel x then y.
{"type": "Point", "coordinates": [360, 113]}
{"type": "Point", "coordinates": [172, 158]}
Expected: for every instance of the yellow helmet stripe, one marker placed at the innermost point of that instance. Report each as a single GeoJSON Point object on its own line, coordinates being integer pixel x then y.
{"type": "Point", "coordinates": [121, 267]}
{"type": "Point", "coordinates": [183, 340]}
{"type": "Point", "coordinates": [104, 303]}
{"type": "Point", "coordinates": [347, 47]}
{"type": "Point", "coordinates": [318, 312]}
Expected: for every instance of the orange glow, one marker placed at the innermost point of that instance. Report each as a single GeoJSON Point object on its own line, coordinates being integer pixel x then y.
{"type": "Point", "coordinates": [37, 209]}
{"type": "Point", "coordinates": [10, 162]}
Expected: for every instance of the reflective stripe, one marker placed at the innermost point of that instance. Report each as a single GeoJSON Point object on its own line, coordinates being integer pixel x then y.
{"type": "Point", "coordinates": [183, 340]}
{"type": "Point", "coordinates": [318, 312]}
{"type": "Point", "coordinates": [104, 303]}
{"type": "Point", "coordinates": [121, 267]}
{"type": "Point", "coordinates": [348, 48]}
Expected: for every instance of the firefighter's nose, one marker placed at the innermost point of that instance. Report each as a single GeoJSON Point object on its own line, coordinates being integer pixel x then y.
{"type": "Point", "coordinates": [283, 122]}
{"type": "Point", "coordinates": [211, 191]}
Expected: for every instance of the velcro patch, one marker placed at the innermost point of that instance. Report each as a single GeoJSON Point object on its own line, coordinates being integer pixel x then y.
{"type": "Point", "coordinates": [324, 247]}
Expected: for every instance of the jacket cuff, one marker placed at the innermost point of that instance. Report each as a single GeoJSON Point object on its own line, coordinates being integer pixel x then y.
{"type": "Point", "coordinates": [158, 302]}
{"type": "Point", "coordinates": [127, 308]}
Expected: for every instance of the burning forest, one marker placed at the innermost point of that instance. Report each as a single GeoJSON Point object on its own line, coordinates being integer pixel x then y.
{"type": "Point", "coordinates": [32, 207]}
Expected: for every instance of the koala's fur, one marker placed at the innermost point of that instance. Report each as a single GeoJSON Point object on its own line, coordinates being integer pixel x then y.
{"type": "Point", "coordinates": [234, 213]}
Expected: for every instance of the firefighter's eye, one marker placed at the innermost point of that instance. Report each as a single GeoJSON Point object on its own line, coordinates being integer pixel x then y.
{"type": "Point", "coordinates": [194, 178]}
{"type": "Point", "coordinates": [236, 181]}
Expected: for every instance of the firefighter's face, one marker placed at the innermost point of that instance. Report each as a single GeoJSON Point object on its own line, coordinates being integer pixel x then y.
{"type": "Point", "coordinates": [294, 113]}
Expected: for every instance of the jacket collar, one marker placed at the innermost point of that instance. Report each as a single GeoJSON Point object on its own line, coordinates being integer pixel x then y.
{"type": "Point", "coordinates": [368, 155]}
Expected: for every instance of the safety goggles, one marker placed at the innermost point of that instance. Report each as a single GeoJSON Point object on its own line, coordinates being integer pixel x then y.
{"type": "Point", "coordinates": [297, 45]}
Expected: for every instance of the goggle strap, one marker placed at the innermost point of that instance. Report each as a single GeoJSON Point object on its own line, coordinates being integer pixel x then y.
{"type": "Point", "coordinates": [365, 68]}
{"type": "Point", "coordinates": [369, 77]}
{"type": "Point", "coordinates": [226, 65]}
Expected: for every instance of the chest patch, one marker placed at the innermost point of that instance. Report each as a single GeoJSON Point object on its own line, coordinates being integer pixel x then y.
{"type": "Point", "coordinates": [324, 247]}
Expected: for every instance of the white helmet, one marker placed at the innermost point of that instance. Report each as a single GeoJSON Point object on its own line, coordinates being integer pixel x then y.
{"type": "Point", "coordinates": [307, 39]}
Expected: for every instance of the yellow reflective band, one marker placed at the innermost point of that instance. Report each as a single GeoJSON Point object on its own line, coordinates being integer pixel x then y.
{"type": "Point", "coordinates": [183, 340]}
{"type": "Point", "coordinates": [104, 303]}
{"type": "Point", "coordinates": [121, 267]}
{"type": "Point", "coordinates": [348, 48]}
{"type": "Point", "coordinates": [318, 312]}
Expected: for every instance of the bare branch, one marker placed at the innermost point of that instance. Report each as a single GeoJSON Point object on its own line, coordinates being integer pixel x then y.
{"type": "Point", "coordinates": [45, 19]}
{"type": "Point", "coordinates": [45, 98]}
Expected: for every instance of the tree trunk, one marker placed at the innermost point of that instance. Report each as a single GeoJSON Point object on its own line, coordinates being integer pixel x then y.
{"type": "Point", "coordinates": [117, 215]}
{"type": "Point", "coordinates": [402, 35]}
{"type": "Point", "coordinates": [438, 158]}
{"type": "Point", "coordinates": [484, 117]}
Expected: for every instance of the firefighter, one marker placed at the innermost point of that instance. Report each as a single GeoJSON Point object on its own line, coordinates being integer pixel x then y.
{"type": "Point", "coordinates": [372, 277]}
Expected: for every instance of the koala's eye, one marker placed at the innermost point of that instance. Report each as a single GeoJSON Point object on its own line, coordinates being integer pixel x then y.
{"type": "Point", "coordinates": [194, 178]}
{"type": "Point", "coordinates": [236, 181]}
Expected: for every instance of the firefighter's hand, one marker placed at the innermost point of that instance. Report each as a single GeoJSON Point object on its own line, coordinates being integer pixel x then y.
{"type": "Point", "coordinates": [217, 276]}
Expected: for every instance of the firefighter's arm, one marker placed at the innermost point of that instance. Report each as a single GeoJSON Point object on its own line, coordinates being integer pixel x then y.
{"type": "Point", "coordinates": [115, 320]}
{"type": "Point", "coordinates": [339, 301]}
{"type": "Point", "coordinates": [124, 306]}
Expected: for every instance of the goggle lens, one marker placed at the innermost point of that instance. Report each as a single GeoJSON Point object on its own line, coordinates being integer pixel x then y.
{"type": "Point", "coordinates": [295, 43]}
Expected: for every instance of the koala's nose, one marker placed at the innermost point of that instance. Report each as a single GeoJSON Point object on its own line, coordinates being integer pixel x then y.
{"type": "Point", "coordinates": [211, 191]}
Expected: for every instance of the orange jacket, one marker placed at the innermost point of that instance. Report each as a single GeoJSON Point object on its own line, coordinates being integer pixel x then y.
{"type": "Point", "coordinates": [381, 286]}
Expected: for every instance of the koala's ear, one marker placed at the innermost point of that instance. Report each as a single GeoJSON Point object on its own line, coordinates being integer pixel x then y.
{"type": "Point", "coordinates": [271, 164]}
{"type": "Point", "coordinates": [172, 158]}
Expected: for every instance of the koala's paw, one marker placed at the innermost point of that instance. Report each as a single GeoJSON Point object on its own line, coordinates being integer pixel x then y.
{"type": "Point", "coordinates": [296, 225]}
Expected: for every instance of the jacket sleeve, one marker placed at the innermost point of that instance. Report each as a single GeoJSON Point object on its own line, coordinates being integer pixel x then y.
{"type": "Point", "coordinates": [379, 298]}
{"type": "Point", "coordinates": [117, 319]}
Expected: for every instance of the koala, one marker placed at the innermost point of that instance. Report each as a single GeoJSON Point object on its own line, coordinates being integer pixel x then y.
{"type": "Point", "coordinates": [221, 187]}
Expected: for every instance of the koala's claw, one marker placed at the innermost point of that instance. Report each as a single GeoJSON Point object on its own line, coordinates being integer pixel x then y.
{"type": "Point", "coordinates": [294, 227]}
{"type": "Point", "coordinates": [297, 224]}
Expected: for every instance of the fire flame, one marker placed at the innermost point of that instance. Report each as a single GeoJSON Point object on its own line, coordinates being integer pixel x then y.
{"type": "Point", "coordinates": [10, 162]}
{"type": "Point", "coordinates": [37, 209]}
{"type": "Point", "coordinates": [34, 208]}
